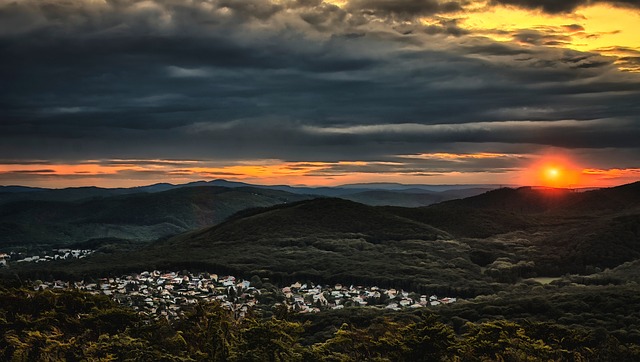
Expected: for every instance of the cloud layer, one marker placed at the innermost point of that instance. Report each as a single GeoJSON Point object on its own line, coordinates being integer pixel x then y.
{"type": "Point", "coordinates": [305, 80]}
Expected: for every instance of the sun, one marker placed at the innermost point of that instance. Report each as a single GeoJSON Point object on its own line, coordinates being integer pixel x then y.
{"type": "Point", "coordinates": [554, 170]}
{"type": "Point", "coordinates": [552, 176]}
{"type": "Point", "coordinates": [553, 173]}
{"type": "Point", "coordinates": [558, 174]}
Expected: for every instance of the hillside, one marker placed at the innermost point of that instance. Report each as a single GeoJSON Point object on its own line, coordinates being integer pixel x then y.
{"type": "Point", "coordinates": [141, 216]}
{"type": "Point", "coordinates": [322, 218]}
{"type": "Point", "coordinates": [558, 230]}
{"type": "Point", "coordinates": [528, 200]}
{"type": "Point", "coordinates": [333, 240]}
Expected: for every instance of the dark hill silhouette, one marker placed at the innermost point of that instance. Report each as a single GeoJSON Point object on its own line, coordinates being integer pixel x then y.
{"type": "Point", "coordinates": [325, 217]}
{"type": "Point", "coordinates": [613, 199]}
{"type": "Point", "coordinates": [466, 221]}
{"type": "Point", "coordinates": [531, 200]}
{"type": "Point", "coordinates": [521, 200]}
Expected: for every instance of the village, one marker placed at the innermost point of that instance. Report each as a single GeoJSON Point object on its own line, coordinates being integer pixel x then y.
{"type": "Point", "coordinates": [45, 256]}
{"type": "Point", "coordinates": [169, 294]}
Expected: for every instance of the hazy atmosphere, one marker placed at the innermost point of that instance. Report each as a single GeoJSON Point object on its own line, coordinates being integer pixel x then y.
{"type": "Point", "coordinates": [123, 92]}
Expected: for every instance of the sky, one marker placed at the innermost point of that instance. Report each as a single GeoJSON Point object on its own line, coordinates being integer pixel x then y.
{"type": "Point", "coordinates": [118, 93]}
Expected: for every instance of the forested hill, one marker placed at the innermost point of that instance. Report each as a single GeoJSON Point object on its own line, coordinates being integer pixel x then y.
{"type": "Point", "coordinates": [332, 240]}
{"type": "Point", "coordinates": [530, 200]}
{"type": "Point", "coordinates": [324, 217]}
{"type": "Point", "coordinates": [141, 216]}
{"type": "Point", "coordinates": [506, 210]}
{"type": "Point", "coordinates": [564, 230]}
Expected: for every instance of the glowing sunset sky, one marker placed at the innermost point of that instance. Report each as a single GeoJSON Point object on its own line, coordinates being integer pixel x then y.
{"type": "Point", "coordinates": [123, 92]}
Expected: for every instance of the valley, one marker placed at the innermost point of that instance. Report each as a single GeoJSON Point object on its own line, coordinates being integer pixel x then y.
{"type": "Point", "coordinates": [558, 257]}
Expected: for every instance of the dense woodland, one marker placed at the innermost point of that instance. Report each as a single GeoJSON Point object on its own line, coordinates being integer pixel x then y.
{"type": "Point", "coordinates": [72, 325]}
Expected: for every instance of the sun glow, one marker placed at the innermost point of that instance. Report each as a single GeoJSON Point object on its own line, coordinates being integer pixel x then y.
{"type": "Point", "coordinates": [555, 172]}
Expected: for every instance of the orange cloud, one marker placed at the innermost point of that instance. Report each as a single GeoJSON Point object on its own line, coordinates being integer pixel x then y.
{"type": "Point", "coordinates": [461, 156]}
{"type": "Point", "coordinates": [613, 176]}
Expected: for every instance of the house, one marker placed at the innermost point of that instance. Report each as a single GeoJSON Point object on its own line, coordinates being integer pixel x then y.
{"type": "Point", "coordinates": [393, 306]}
{"type": "Point", "coordinates": [228, 283]}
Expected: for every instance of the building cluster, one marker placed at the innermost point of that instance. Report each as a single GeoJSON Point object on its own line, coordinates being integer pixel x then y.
{"type": "Point", "coordinates": [55, 254]}
{"type": "Point", "coordinates": [306, 298]}
{"type": "Point", "coordinates": [169, 295]}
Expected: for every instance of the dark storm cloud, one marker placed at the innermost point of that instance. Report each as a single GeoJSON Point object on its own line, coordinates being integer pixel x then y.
{"type": "Point", "coordinates": [573, 28]}
{"type": "Point", "coordinates": [50, 175]}
{"type": "Point", "coordinates": [564, 6]}
{"type": "Point", "coordinates": [550, 6]}
{"type": "Point", "coordinates": [298, 81]}
{"type": "Point", "coordinates": [324, 17]}
{"type": "Point", "coordinates": [32, 171]}
{"type": "Point", "coordinates": [627, 59]}
{"type": "Point", "coordinates": [403, 9]}
{"type": "Point", "coordinates": [491, 48]}
{"type": "Point", "coordinates": [251, 8]}
{"type": "Point", "coordinates": [535, 37]}
{"type": "Point", "coordinates": [447, 27]}
{"type": "Point", "coordinates": [630, 62]}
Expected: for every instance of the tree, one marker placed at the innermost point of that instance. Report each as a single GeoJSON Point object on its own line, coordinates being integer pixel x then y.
{"type": "Point", "coordinates": [428, 339]}
{"type": "Point", "coordinates": [269, 340]}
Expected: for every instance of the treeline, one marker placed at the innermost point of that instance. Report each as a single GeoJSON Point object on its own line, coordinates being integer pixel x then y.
{"type": "Point", "coordinates": [71, 325]}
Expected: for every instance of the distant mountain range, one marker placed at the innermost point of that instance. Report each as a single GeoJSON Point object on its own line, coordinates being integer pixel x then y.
{"type": "Point", "coordinates": [54, 216]}
{"type": "Point", "coordinates": [374, 194]}
{"type": "Point", "coordinates": [135, 216]}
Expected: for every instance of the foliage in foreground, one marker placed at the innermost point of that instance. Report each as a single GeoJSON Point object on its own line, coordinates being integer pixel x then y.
{"type": "Point", "coordinates": [70, 325]}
